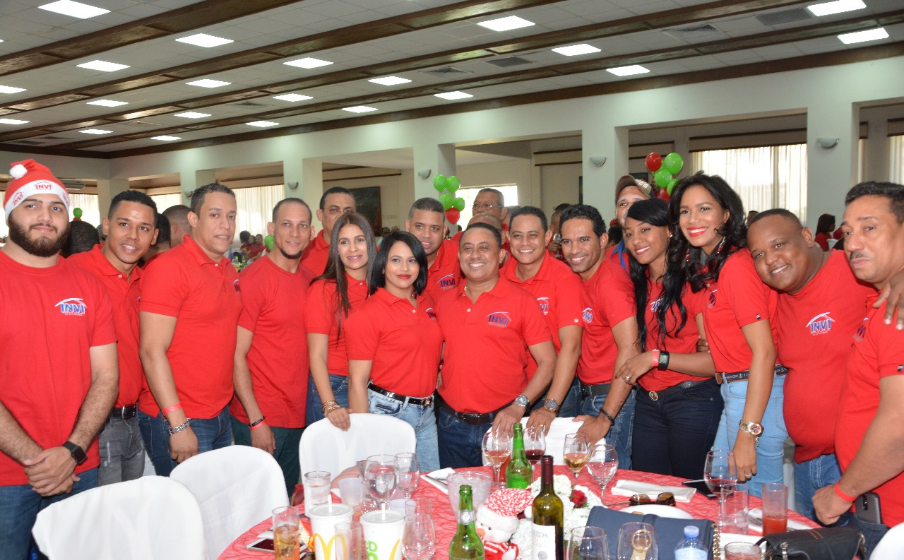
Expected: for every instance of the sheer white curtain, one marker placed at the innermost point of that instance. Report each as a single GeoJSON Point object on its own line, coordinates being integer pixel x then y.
{"type": "Point", "coordinates": [255, 205]}
{"type": "Point", "coordinates": [164, 201]}
{"type": "Point", "coordinates": [765, 177]}
{"type": "Point", "coordinates": [896, 159]}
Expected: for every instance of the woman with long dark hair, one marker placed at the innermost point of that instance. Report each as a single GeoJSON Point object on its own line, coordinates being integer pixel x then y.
{"type": "Point", "coordinates": [709, 251]}
{"type": "Point", "coordinates": [394, 361]}
{"type": "Point", "coordinates": [331, 299]}
{"type": "Point", "coordinates": [678, 404]}
{"type": "Point", "coordinates": [824, 228]}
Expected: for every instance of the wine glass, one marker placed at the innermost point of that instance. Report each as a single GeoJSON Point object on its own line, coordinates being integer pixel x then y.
{"type": "Point", "coordinates": [497, 446]}
{"type": "Point", "coordinates": [534, 446]}
{"type": "Point", "coordinates": [381, 477]}
{"type": "Point", "coordinates": [719, 471]}
{"type": "Point", "coordinates": [409, 473]}
{"type": "Point", "coordinates": [637, 541]}
{"type": "Point", "coordinates": [588, 543]}
{"type": "Point", "coordinates": [576, 452]}
{"type": "Point", "coordinates": [418, 537]}
{"type": "Point", "coordinates": [603, 465]}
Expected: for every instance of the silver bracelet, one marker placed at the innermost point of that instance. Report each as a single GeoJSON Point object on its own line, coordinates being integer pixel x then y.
{"type": "Point", "coordinates": [180, 427]}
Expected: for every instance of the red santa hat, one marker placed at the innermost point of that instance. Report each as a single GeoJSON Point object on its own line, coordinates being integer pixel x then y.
{"type": "Point", "coordinates": [29, 178]}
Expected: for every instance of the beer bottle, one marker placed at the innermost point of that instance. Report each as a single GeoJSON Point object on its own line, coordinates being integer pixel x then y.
{"type": "Point", "coordinates": [518, 472]}
{"type": "Point", "coordinates": [466, 545]}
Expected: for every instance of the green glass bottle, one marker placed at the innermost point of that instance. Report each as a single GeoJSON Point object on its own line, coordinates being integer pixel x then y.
{"type": "Point", "coordinates": [548, 518]}
{"type": "Point", "coordinates": [466, 545]}
{"type": "Point", "coordinates": [518, 473]}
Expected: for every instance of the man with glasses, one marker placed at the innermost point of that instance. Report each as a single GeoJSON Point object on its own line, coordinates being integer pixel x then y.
{"type": "Point", "coordinates": [334, 202]}
{"type": "Point", "coordinates": [491, 202]}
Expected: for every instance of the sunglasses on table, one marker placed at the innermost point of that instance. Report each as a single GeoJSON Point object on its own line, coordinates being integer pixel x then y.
{"type": "Point", "coordinates": [663, 499]}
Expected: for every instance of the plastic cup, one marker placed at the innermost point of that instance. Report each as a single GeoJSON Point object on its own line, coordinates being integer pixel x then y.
{"type": "Point", "coordinates": [316, 488]}
{"type": "Point", "coordinates": [733, 509]}
{"type": "Point", "coordinates": [480, 483]}
{"type": "Point", "coordinates": [383, 534]}
{"type": "Point", "coordinates": [742, 551]}
{"type": "Point", "coordinates": [352, 491]}
{"type": "Point", "coordinates": [323, 524]}
{"type": "Point", "coordinates": [775, 508]}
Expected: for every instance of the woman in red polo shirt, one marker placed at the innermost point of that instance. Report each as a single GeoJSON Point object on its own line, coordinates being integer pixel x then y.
{"type": "Point", "coordinates": [394, 361]}
{"type": "Point", "coordinates": [331, 299]}
{"type": "Point", "coordinates": [709, 250]}
{"type": "Point", "coordinates": [678, 404]}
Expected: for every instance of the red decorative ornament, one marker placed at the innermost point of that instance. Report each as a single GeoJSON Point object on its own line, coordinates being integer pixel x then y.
{"type": "Point", "coordinates": [453, 215]}
{"type": "Point", "coordinates": [653, 162]}
{"type": "Point", "coordinates": [663, 194]}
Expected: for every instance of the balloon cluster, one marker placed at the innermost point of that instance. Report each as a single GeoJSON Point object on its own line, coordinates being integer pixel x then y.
{"type": "Point", "coordinates": [446, 187]}
{"type": "Point", "coordinates": [268, 243]}
{"type": "Point", "coordinates": [664, 170]}
{"type": "Point", "coordinates": [76, 214]}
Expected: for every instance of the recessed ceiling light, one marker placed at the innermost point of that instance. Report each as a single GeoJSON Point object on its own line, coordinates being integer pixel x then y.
{"type": "Point", "coordinates": [360, 109]}
{"type": "Point", "coordinates": [575, 50]}
{"type": "Point", "coordinates": [103, 66]}
{"type": "Point", "coordinates": [205, 83]}
{"type": "Point", "coordinates": [74, 9]}
{"type": "Point", "coordinates": [107, 103]}
{"type": "Point", "coordinates": [12, 121]}
{"type": "Point", "coordinates": [627, 70]}
{"type": "Point", "coordinates": [506, 23]}
{"type": "Point", "coordinates": [293, 97]}
{"type": "Point", "coordinates": [165, 138]}
{"type": "Point", "coordinates": [10, 89]}
{"type": "Point", "coordinates": [263, 124]}
{"type": "Point", "coordinates": [864, 36]}
{"type": "Point", "coordinates": [95, 131]}
{"type": "Point", "coordinates": [389, 81]}
{"type": "Point", "coordinates": [205, 40]}
{"type": "Point", "coordinates": [308, 63]}
{"type": "Point", "coordinates": [453, 95]}
{"type": "Point", "coordinates": [836, 7]}
{"type": "Point", "coordinates": [191, 115]}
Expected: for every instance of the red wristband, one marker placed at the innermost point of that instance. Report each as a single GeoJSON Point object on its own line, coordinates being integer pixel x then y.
{"type": "Point", "coordinates": [840, 493]}
{"type": "Point", "coordinates": [256, 425]}
{"type": "Point", "coordinates": [174, 408]}
{"type": "Point", "coordinates": [655, 353]}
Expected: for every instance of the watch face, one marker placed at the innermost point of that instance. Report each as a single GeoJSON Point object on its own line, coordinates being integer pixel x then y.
{"type": "Point", "coordinates": [753, 428]}
{"type": "Point", "coordinates": [522, 401]}
{"type": "Point", "coordinates": [550, 404]}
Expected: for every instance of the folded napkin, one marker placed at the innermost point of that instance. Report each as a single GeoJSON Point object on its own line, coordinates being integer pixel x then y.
{"type": "Point", "coordinates": [628, 488]}
{"type": "Point", "coordinates": [438, 479]}
{"type": "Point", "coordinates": [756, 522]}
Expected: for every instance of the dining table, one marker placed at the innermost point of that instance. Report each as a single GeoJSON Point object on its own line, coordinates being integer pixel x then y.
{"type": "Point", "coordinates": [700, 507]}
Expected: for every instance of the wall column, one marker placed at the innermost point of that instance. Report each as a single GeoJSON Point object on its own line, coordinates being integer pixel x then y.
{"type": "Point", "coordinates": [830, 172]}
{"type": "Point", "coordinates": [106, 190]}
{"type": "Point", "coordinates": [439, 159]}
{"type": "Point", "coordinates": [603, 140]}
{"type": "Point", "coordinates": [308, 173]}
{"type": "Point", "coordinates": [875, 150]}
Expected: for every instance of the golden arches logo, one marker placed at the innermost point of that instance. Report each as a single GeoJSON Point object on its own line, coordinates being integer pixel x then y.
{"type": "Point", "coordinates": [327, 547]}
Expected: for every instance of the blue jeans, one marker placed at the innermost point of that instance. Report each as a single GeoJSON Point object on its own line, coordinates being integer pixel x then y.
{"type": "Point", "coordinates": [314, 410]}
{"type": "Point", "coordinates": [421, 418]}
{"type": "Point", "coordinates": [771, 450]}
{"type": "Point", "coordinates": [620, 434]}
{"type": "Point", "coordinates": [19, 507]}
{"type": "Point", "coordinates": [286, 452]}
{"type": "Point", "coordinates": [810, 476]}
{"type": "Point", "coordinates": [675, 432]}
{"type": "Point", "coordinates": [872, 531]}
{"type": "Point", "coordinates": [213, 433]}
{"type": "Point", "coordinates": [121, 451]}
{"type": "Point", "coordinates": [460, 444]}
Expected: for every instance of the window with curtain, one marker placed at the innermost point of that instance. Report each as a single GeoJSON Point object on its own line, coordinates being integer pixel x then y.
{"type": "Point", "coordinates": [896, 159]}
{"type": "Point", "coordinates": [764, 177]}
{"type": "Point", "coordinates": [255, 208]}
{"type": "Point", "coordinates": [164, 201]}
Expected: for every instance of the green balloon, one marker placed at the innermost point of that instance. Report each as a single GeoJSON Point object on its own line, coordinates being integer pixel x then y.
{"type": "Point", "coordinates": [446, 198]}
{"type": "Point", "coordinates": [440, 182]}
{"type": "Point", "coordinates": [671, 186]}
{"type": "Point", "coordinates": [662, 177]}
{"type": "Point", "coordinates": [673, 163]}
{"type": "Point", "coordinates": [458, 204]}
{"type": "Point", "coordinates": [453, 183]}
{"type": "Point", "coordinates": [77, 212]}
{"type": "Point", "coordinates": [268, 241]}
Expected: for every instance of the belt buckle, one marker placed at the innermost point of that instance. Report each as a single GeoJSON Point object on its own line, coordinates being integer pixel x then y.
{"type": "Point", "coordinates": [428, 401]}
{"type": "Point", "coordinates": [654, 396]}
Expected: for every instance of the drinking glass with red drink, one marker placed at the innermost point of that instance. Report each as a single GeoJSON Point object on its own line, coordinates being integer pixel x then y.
{"type": "Point", "coordinates": [775, 508]}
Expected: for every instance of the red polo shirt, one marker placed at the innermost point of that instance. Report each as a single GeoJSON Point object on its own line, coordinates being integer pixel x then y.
{"type": "Point", "coordinates": [404, 343]}
{"type": "Point", "coordinates": [124, 294]}
{"type": "Point", "coordinates": [204, 297]}
{"type": "Point", "coordinates": [51, 318]}
{"type": "Point", "coordinates": [878, 352]}
{"type": "Point", "coordinates": [316, 255]}
{"type": "Point", "coordinates": [486, 353]}
{"type": "Point", "coordinates": [608, 300]}
{"type": "Point", "coordinates": [321, 311]}
{"type": "Point", "coordinates": [558, 293]}
{"type": "Point", "coordinates": [445, 272]}
{"type": "Point", "coordinates": [273, 310]}
{"type": "Point", "coordinates": [738, 298]}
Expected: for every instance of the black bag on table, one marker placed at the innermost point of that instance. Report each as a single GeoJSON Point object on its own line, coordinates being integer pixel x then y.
{"type": "Point", "coordinates": [832, 543]}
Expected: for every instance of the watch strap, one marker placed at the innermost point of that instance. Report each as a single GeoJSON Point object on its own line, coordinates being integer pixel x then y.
{"type": "Point", "coordinates": [77, 452]}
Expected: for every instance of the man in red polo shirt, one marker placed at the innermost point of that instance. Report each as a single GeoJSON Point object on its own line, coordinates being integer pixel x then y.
{"type": "Point", "coordinates": [558, 292]}
{"type": "Point", "coordinates": [189, 312]}
{"type": "Point", "coordinates": [869, 429]}
{"type": "Point", "coordinates": [130, 228]}
{"type": "Point", "coordinates": [334, 202]}
{"type": "Point", "coordinates": [271, 354]}
{"type": "Point", "coordinates": [57, 359]}
{"type": "Point", "coordinates": [489, 326]}
{"type": "Point", "coordinates": [427, 222]}
{"type": "Point", "coordinates": [610, 331]}
{"type": "Point", "coordinates": [820, 305]}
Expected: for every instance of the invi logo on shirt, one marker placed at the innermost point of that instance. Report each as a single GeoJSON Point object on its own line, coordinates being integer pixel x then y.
{"type": "Point", "coordinates": [72, 306]}
{"type": "Point", "coordinates": [447, 282]}
{"type": "Point", "coordinates": [544, 304]}
{"type": "Point", "coordinates": [712, 297]}
{"type": "Point", "coordinates": [861, 330]}
{"type": "Point", "coordinates": [821, 324]}
{"type": "Point", "coordinates": [654, 305]}
{"type": "Point", "coordinates": [587, 315]}
{"type": "Point", "coordinates": [431, 314]}
{"type": "Point", "coordinates": [498, 319]}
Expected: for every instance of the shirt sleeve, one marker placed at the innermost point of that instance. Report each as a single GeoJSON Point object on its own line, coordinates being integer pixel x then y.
{"type": "Point", "coordinates": [365, 329]}
{"type": "Point", "coordinates": [318, 308]}
{"type": "Point", "coordinates": [104, 331]}
{"type": "Point", "coordinates": [163, 289]}
{"type": "Point", "coordinates": [748, 297]}
{"type": "Point", "coordinates": [889, 346]}
{"type": "Point", "coordinates": [569, 300]}
{"type": "Point", "coordinates": [617, 295]}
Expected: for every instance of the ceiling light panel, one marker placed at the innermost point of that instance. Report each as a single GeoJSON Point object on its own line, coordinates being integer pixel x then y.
{"type": "Point", "coordinates": [506, 23]}
{"type": "Point", "coordinates": [210, 84]}
{"type": "Point", "coordinates": [74, 9]}
{"type": "Point", "coordinates": [576, 50]}
{"type": "Point", "coordinates": [292, 97]}
{"type": "Point", "coordinates": [12, 121]}
{"type": "Point", "coordinates": [205, 40]}
{"type": "Point", "coordinates": [308, 63]}
{"type": "Point", "coordinates": [453, 95]}
{"type": "Point", "coordinates": [107, 103]}
{"type": "Point", "coordinates": [103, 66]}
{"type": "Point", "coordinates": [864, 36]}
{"type": "Point", "coordinates": [628, 70]}
{"type": "Point", "coordinates": [192, 115]}
{"type": "Point", "coordinates": [166, 138]}
{"type": "Point", "coordinates": [389, 81]}
{"type": "Point", "coordinates": [263, 124]}
{"type": "Point", "coordinates": [837, 7]}
{"type": "Point", "coordinates": [96, 131]}
{"type": "Point", "coordinates": [10, 89]}
{"type": "Point", "coordinates": [360, 109]}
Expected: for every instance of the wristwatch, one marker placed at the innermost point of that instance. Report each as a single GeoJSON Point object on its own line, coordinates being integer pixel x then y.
{"type": "Point", "coordinates": [753, 428]}
{"type": "Point", "coordinates": [521, 400]}
{"type": "Point", "coordinates": [551, 405]}
{"type": "Point", "coordinates": [77, 452]}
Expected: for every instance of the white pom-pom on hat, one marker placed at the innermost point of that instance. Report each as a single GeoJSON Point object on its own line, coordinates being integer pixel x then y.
{"type": "Point", "coordinates": [18, 171]}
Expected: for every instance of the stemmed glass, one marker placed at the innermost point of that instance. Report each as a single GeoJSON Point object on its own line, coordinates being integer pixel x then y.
{"type": "Point", "coordinates": [418, 537]}
{"type": "Point", "coordinates": [637, 541]}
{"type": "Point", "coordinates": [603, 465]}
{"type": "Point", "coordinates": [534, 447]}
{"type": "Point", "coordinates": [588, 543]}
{"type": "Point", "coordinates": [409, 473]}
{"type": "Point", "coordinates": [381, 475]}
{"type": "Point", "coordinates": [719, 471]}
{"type": "Point", "coordinates": [576, 452]}
{"type": "Point", "coordinates": [497, 446]}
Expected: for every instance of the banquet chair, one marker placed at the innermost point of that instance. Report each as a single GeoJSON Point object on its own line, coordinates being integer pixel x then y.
{"type": "Point", "coordinates": [145, 519]}
{"type": "Point", "coordinates": [891, 547]}
{"type": "Point", "coordinates": [325, 447]}
{"type": "Point", "coordinates": [236, 487]}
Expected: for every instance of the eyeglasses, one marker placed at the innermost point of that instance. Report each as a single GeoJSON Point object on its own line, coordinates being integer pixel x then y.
{"type": "Point", "coordinates": [663, 499]}
{"type": "Point", "coordinates": [483, 207]}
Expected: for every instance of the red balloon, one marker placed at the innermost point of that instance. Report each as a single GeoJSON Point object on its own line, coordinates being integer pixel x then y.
{"type": "Point", "coordinates": [664, 195]}
{"type": "Point", "coordinates": [653, 161]}
{"type": "Point", "coordinates": [453, 215]}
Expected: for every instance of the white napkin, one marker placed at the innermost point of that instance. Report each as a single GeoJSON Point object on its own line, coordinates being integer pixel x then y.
{"type": "Point", "coordinates": [628, 488]}
{"type": "Point", "coordinates": [757, 514]}
{"type": "Point", "coordinates": [438, 479]}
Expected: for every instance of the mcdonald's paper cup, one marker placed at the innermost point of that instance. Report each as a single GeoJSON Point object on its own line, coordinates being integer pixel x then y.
{"type": "Point", "coordinates": [383, 534]}
{"type": "Point", "coordinates": [323, 524]}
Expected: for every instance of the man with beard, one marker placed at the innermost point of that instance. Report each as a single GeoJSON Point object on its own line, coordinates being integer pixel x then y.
{"type": "Point", "coordinates": [427, 222]}
{"type": "Point", "coordinates": [130, 230]}
{"type": "Point", "coordinates": [334, 202]}
{"type": "Point", "coordinates": [57, 359]}
{"type": "Point", "coordinates": [271, 351]}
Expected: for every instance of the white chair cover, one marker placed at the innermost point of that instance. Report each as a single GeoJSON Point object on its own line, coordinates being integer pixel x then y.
{"type": "Point", "coordinates": [325, 447]}
{"type": "Point", "coordinates": [891, 547]}
{"type": "Point", "coordinates": [145, 519]}
{"type": "Point", "coordinates": [237, 487]}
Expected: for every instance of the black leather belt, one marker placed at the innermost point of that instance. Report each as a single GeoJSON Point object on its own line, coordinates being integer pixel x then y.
{"type": "Point", "coordinates": [124, 412]}
{"type": "Point", "coordinates": [595, 390]}
{"type": "Point", "coordinates": [656, 395]}
{"type": "Point", "coordinates": [780, 370]}
{"type": "Point", "coordinates": [426, 401]}
{"type": "Point", "coordinates": [471, 419]}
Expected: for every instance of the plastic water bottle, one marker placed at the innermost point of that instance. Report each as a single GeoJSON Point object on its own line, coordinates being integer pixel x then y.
{"type": "Point", "coordinates": [690, 548]}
